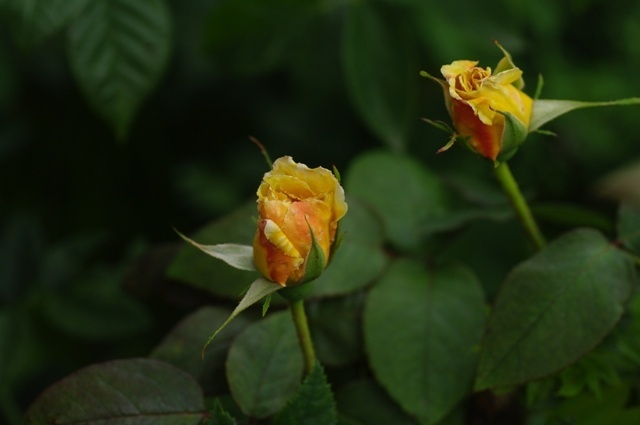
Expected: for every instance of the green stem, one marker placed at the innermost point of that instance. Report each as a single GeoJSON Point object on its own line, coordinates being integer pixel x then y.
{"type": "Point", "coordinates": [304, 336]}
{"type": "Point", "coordinates": [510, 186]}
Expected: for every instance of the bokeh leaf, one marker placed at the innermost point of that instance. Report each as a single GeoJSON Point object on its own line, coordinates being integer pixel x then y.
{"type": "Point", "coordinates": [96, 308]}
{"type": "Point", "coordinates": [365, 403]}
{"type": "Point", "coordinates": [401, 191]}
{"type": "Point", "coordinates": [360, 258]}
{"type": "Point", "coordinates": [126, 392]}
{"type": "Point", "coordinates": [335, 329]}
{"type": "Point", "coordinates": [589, 409]}
{"type": "Point", "coordinates": [21, 251]}
{"type": "Point", "coordinates": [118, 49]}
{"type": "Point", "coordinates": [182, 346]}
{"type": "Point", "coordinates": [421, 328]}
{"type": "Point", "coordinates": [628, 227]}
{"type": "Point", "coordinates": [33, 21]}
{"type": "Point", "coordinates": [312, 404]}
{"type": "Point", "coordinates": [264, 366]}
{"type": "Point", "coordinates": [554, 308]}
{"type": "Point", "coordinates": [379, 63]}
{"type": "Point", "coordinates": [545, 110]}
{"type": "Point", "coordinates": [255, 36]}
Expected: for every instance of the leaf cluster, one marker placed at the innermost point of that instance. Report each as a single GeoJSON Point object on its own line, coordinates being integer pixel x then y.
{"type": "Point", "coordinates": [434, 303]}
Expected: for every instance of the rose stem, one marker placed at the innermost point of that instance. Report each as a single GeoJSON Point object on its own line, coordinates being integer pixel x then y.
{"type": "Point", "coordinates": [510, 186]}
{"type": "Point", "coordinates": [304, 336]}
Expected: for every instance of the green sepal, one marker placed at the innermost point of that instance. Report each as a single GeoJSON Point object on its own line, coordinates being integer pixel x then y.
{"type": "Point", "coordinates": [236, 255]}
{"type": "Point", "coordinates": [315, 262]}
{"type": "Point", "coordinates": [505, 64]}
{"type": "Point", "coordinates": [445, 88]}
{"type": "Point", "coordinates": [440, 81]}
{"type": "Point", "coordinates": [259, 289]}
{"type": "Point", "coordinates": [314, 266]}
{"type": "Point", "coordinates": [266, 304]}
{"type": "Point", "coordinates": [440, 125]}
{"type": "Point", "coordinates": [545, 110]}
{"type": "Point", "coordinates": [263, 150]}
{"type": "Point", "coordinates": [297, 292]}
{"type": "Point", "coordinates": [336, 173]}
{"type": "Point", "coordinates": [538, 87]}
{"type": "Point", "coordinates": [336, 244]}
{"type": "Point", "coordinates": [513, 135]}
{"type": "Point", "coordinates": [546, 132]}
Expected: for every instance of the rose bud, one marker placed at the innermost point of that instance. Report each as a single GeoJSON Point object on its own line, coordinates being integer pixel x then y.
{"type": "Point", "coordinates": [489, 111]}
{"type": "Point", "coordinates": [299, 209]}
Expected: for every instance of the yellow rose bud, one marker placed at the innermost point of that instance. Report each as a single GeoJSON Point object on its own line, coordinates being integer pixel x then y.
{"type": "Point", "coordinates": [478, 100]}
{"type": "Point", "coordinates": [293, 201]}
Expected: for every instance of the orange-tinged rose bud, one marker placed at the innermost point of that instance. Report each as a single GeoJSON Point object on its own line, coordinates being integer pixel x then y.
{"type": "Point", "coordinates": [293, 201]}
{"type": "Point", "coordinates": [478, 101]}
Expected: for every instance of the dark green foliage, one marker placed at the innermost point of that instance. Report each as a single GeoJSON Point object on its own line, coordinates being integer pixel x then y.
{"type": "Point", "coordinates": [91, 270]}
{"type": "Point", "coordinates": [264, 365]}
{"type": "Point", "coordinates": [414, 320]}
{"type": "Point", "coordinates": [128, 392]}
{"type": "Point", "coordinates": [554, 308]}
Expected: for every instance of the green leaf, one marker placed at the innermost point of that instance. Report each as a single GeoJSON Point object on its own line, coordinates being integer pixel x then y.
{"type": "Point", "coordinates": [264, 366]}
{"type": "Point", "coordinates": [546, 110]}
{"type": "Point", "coordinates": [628, 227]}
{"type": "Point", "coordinates": [126, 392]}
{"type": "Point", "coordinates": [219, 416]}
{"type": "Point", "coordinates": [95, 307]}
{"type": "Point", "coordinates": [259, 289]}
{"type": "Point", "coordinates": [33, 21]}
{"type": "Point", "coordinates": [378, 54]}
{"type": "Point", "coordinates": [361, 256]}
{"type": "Point", "coordinates": [191, 267]}
{"type": "Point", "coordinates": [312, 404]}
{"type": "Point", "coordinates": [181, 347]}
{"type": "Point", "coordinates": [554, 308]}
{"type": "Point", "coordinates": [421, 328]}
{"type": "Point", "coordinates": [404, 194]}
{"type": "Point", "coordinates": [365, 403]}
{"type": "Point", "coordinates": [235, 255]}
{"type": "Point", "coordinates": [118, 49]}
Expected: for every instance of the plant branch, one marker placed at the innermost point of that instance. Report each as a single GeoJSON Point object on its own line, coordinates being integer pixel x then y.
{"type": "Point", "coordinates": [304, 336]}
{"type": "Point", "coordinates": [510, 186]}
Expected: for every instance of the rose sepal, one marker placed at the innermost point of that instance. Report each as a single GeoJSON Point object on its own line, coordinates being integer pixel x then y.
{"type": "Point", "coordinates": [513, 135]}
{"type": "Point", "coordinates": [259, 289]}
{"type": "Point", "coordinates": [236, 255]}
{"type": "Point", "coordinates": [337, 243]}
{"type": "Point", "coordinates": [505, 64]}
{"type": "Point", "coordinates": [315, 264]}
{"type": "Point", "coordinates": [297, 292]}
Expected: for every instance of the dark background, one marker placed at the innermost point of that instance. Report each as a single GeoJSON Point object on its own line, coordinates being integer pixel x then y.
{"type": "Point", "coordinates": [78, 206]}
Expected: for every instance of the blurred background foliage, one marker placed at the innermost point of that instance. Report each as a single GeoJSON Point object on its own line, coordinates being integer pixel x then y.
{"type": "Point", "coordinates": [120, 119]}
